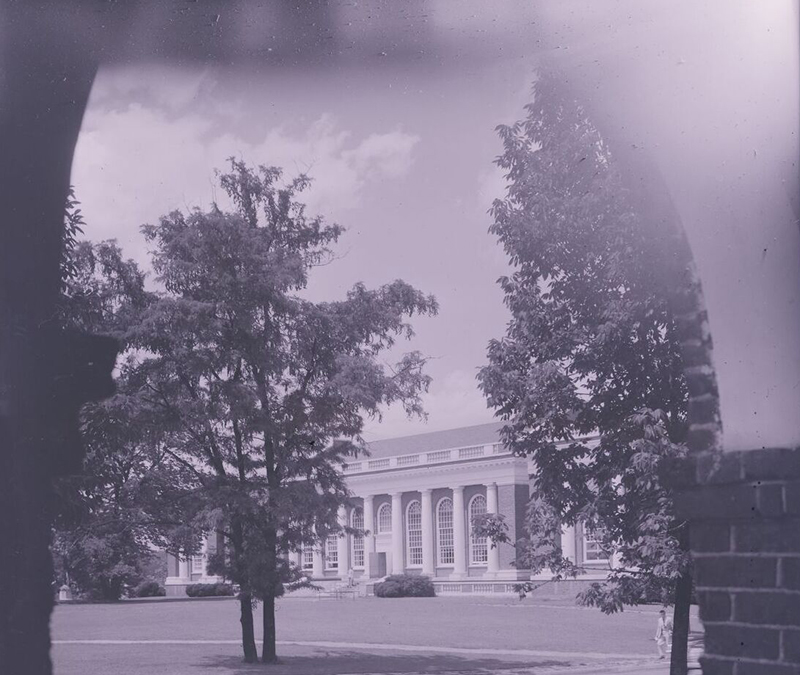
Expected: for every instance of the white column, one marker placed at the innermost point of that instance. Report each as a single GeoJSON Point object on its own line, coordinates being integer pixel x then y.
{"type": "Point", "coordinates": [343, 545]}
{"type": "Point", "coordinates": [568, 542]}
{"type": "Point", "coordinates": [204, 557]}
{"type": "Point", "coordinates": [493, 566]}
{"type": "Point", "coordinates": [185, 568]}
{"type": "Point", "coordinates": [428, 565]}
{"type": "Point", "coordinates": [175, 578]}
{"type": "Point", "coordinates": [459, 533]}
{"type": "Point", "coordinates": [369, 538]}
{"type": "Point", "coordinates": [398, 563]}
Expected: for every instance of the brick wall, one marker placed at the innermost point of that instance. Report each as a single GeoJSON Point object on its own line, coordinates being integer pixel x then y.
{"type": "Point", "coordinates": [744, 514]}
{"type": "Point", "coordinates": [508, 498]}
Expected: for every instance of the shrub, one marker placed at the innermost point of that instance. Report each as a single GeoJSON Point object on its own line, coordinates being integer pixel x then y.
{"type": "Point", "coordinates": [208, 590]}
{"type": "Point", "coordinates": [405, 586]}
{"type": "Point", "coordinates": [149, 589]}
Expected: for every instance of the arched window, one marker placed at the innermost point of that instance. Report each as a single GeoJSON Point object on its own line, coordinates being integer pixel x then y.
{"type": "Point", "coordinates": [414, 534]}
{"type": "Point", "coordinates": [357, 522]}
{"type": "Point", "coordinates": [385, 518]}
{"type": "Point", "coordinates": [478, 548]}
{"type": "Point", "coordinates": [332, 552]}
{"type": "Point", "coordinates": [308, 558]}
{"type": "Point", "coordinates": [444, 529]}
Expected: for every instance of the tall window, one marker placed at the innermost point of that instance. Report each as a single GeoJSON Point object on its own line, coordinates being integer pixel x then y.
{"type": "Point", "coordinates": [308, 558]}
{"type": "Point", "coordinates": [478, 548]}
{"type": "Point", "coordinates": [414, 533]}
{"type": "Point", "coordinates": [385, 518]}
{"type": "Point", "coordinates": [444, 529]}
{"type": "Point", "coordinates": [593, 547]}
{"type": "Point", "coordinates": [357, 522]}
{"type": "Point", "coordinates": [198, 564]}
{"type": "Point", "coordinates": [332, 552]}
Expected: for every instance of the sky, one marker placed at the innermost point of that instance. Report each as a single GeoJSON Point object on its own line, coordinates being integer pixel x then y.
{"type": "Point", "coordinates": [401, 156]}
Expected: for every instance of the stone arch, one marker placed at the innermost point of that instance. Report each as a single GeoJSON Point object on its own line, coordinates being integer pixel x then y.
{"type": "Point", "coordinates": [41, 170]}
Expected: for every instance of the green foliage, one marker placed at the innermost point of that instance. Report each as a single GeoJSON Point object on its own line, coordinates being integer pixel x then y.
{"type": "Point", "coordinates": [591, 350]}
{"type": "Point", "coordinates": [209, 590]}
{"type": "Point", "coordinates": [73, 227]}
{"type": "Point", "coordinates": [234, 393]}
{"type": "Point", "coordinates": [100, 565]}
{"type": "Point", "coordinates": [254, 385]}
{"type": "Point", "coordinates": [126, 498]}
{"type": "Point", "coordinates": [149, 589]}
{"type": "Point", "coordinates": [405, 586]}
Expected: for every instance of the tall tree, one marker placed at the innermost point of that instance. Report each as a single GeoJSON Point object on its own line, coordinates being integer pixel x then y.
{"type": "Point", "coordinates": [258, 383]}
{"type": "Point", "coordinates": [590, 349]}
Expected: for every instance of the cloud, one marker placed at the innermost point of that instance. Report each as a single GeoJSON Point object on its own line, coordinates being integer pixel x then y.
{"type": "Point", "coordinates": [341, 166]}
{"type": "Point", "coordinates": [389, 154]}
{"type": "Point", "coordinates": [139, 160]}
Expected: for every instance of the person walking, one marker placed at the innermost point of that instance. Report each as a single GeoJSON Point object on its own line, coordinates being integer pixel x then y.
{"type": "Point", "coordinates": [663, 636]}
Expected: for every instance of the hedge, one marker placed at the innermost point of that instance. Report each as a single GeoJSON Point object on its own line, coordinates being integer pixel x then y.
{"type": "Point", "coordinates": [208, 590]}
{"type": "Point", "coordinates": [149, 589]}
{"type": "Point", "coordinates": [405, 586]}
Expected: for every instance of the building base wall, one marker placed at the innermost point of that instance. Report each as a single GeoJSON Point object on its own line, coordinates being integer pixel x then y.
{"type": "Point", "coordinates": [743, 509]}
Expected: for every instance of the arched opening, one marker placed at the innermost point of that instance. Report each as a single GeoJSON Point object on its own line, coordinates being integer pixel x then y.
{"type": "Point", "coordinates": [385, 518]}
{"type": "Point", "coordinates": [414, 534]}
{"type": "Point", "coordinates": [445, 542]}
{"type": "Point", "coordinates": [43, 211]}
{"type": "Point", "coordinates": [357, 543]}
{"type": "Point", "coordinates": [478, 545]}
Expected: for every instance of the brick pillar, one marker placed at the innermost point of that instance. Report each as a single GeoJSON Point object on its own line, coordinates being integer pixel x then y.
{"type": "Point", "coordinates": [493, 553]}
{"type": "Point", "coordinates": [428, 561]}
{"type": "Point", "coordinates": [459, 534]}
{"type": "Point", "coordinates": [744, 515]}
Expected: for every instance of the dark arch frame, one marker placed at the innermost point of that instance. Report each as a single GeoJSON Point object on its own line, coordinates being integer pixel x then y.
{"type": "Point", "coordinates": [48, 88]}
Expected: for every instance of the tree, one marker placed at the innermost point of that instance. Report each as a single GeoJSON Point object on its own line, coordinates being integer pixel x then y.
{"type": "Point", "coordinates": [125, 499]}
{"type": "Point", "coordinates": [591, 348]}
{"type": "Point", "coordinates": [263, 391]}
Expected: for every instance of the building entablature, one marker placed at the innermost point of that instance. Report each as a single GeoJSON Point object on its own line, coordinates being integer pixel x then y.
{"type": "Point", "coordinates": [500, 469]}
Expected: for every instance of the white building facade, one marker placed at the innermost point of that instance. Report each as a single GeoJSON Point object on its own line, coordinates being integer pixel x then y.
{"type": "Point", "coordinates": [417, 497]}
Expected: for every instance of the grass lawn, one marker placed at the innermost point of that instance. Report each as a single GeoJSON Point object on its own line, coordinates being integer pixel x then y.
{"type": "Point", "coordinates": [368, 635]}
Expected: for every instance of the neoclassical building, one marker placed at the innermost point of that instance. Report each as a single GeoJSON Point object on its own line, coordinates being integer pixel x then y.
{"type": "Point", "coordinates": [416, 497]}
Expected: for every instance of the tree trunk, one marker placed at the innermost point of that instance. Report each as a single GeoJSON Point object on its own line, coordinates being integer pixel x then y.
{"type": "Point", "coordinates": [678, 664]}
{"type": "Point", "coordinates": [269, 653]}
{"type": "Point", "coordinates": [248, 633]}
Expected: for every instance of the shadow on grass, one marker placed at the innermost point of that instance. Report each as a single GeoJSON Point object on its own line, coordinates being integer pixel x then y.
{"type": "Point", "coordinates": [337, 663]}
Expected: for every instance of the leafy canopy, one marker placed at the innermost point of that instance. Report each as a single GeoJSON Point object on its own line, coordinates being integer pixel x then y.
{"type": "Point", "coordinates": [590, 352]}
{"type": "Point", "coordinates": [126, 498]}
{"type": "Point", "coordinates": [264, 392]}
